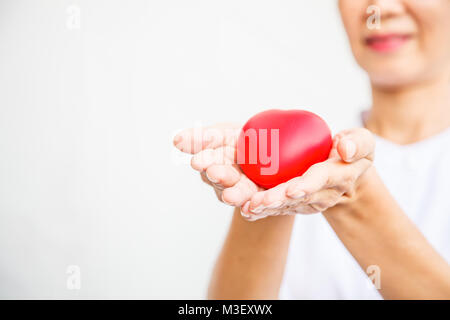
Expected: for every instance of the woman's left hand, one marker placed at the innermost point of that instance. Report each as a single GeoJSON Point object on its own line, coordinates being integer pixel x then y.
{"type": "Point", "coordinates": [324, 185]}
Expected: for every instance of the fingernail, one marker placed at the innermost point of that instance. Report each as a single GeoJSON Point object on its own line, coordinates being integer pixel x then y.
{"type": "Point", "coordinates": [258, 209]}
{"type": "Point", "coordinates": [275, 205]}
{"type": "Point", "coordinates": [350, 149]}
{"type": "Point", "coordinates": [252, 218]}
{"type": "Point", "coordinates": [244, 214]}
{"type": "Point", "coordinates": [226, 202]}
{"type": "Point", "coordinates": [210, 179]}
{"type": "Point", "coordinates": [177, 139]}
{"type": "Point", "coordinates": [296, 194]}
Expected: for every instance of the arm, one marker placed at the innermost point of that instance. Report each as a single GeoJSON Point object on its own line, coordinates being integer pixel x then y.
{"type": "Point", "coordinates": [377, 232]}
{"type": "Point", "coordinates": [252, 260]}
{"type": "Point", "coordinates": [364, 215]}
{"type": "Point", "coordinates": [353, 199]}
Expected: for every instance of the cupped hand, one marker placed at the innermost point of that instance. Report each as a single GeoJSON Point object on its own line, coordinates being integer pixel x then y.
{"type": "Point", "coordinates": [323, 185]}
{"type": "Point", "coordinates": [214, 156]}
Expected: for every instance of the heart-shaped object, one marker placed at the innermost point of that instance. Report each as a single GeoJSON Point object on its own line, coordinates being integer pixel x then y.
{"type": "Point", "coordinates": [275, 146]}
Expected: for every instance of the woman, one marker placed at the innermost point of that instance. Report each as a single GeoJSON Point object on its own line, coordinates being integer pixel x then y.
{"type": "Point", "coordinates": [390, 214]}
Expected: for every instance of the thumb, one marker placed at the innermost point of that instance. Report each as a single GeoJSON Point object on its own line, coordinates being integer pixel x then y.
{"type": "Point", "coordinates": [356, 144]}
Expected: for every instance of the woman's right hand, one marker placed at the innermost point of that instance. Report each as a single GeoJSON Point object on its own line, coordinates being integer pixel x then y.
{"type": "Point", "coordinates": [214, 156]}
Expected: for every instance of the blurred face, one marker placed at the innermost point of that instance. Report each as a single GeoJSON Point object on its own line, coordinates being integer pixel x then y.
{"type": "Point", "coordinates": [412, 44]}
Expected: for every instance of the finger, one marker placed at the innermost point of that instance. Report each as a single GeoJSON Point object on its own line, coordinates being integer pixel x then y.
{"type": "Point", "coordinates": [208, 157]}
{"type": "Point", "coordinates": [241, 192]}
{"type": "Point", "coordinates": [253, 217]}
{"type": "Point", "coordinates": [285, 209]}
{"type": "Point", "coordinates": [194, 140]}
{"type": "Point", "coordinates": [256, 201]}
{"type": "Point", "coordinates": [247, 215]}
{"type": "Point", "coordinates": [303, 209]}
{"type": "Point", "coordinates": [223, 175]}
{"type": "Point", "coordinates": [272, 199]}
{"type": "Point", "coordinates": [355, 144]}
{"type": "Point", "coordinates": [314, 179]}
{"type": "Point", "coordinates": [205, 179]}
{"type": "Point", "coordinates": [217, 189]}
{"type": "Point", "coordinates": [332, 173]}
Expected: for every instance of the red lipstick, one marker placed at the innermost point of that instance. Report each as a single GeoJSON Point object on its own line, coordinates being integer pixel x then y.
{"type": "Point", "coordinates": [387, 42]}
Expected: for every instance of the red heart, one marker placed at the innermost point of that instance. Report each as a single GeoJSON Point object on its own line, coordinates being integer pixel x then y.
{"type": "Point", "coordinates": [275, 146]}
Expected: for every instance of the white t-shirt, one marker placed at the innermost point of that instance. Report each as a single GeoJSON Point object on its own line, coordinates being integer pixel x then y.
{"type": "Point", "coordinates": [418, 176]}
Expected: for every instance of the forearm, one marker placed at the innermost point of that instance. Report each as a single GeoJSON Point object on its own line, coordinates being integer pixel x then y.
{"type": "Point", "coordinates": [377, 232]}
{"type": "Point", "coordinates": [252, 260]}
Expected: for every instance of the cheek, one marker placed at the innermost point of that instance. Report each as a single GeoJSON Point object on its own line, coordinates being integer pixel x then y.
{"type": "Point", "coordinates": [353, 13]}
{"type": "Point", "coordinates": [434, 26]}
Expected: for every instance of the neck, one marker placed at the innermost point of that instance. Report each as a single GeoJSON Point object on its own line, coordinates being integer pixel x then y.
{"type": "Point", "coordinates": [410, 114]}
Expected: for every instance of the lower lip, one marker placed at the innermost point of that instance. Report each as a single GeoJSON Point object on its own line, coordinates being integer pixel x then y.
{"type": "Point", "coordinates": [387, 44]}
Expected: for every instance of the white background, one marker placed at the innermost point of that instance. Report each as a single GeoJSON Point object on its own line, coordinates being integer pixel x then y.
{"type": "Point", "coordinates": [88, 174]}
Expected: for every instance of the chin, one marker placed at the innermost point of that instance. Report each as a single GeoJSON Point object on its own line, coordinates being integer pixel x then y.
{"type": "Point", "coordinates": [393, 74]}
{"type": "Point", "coordinates": [391, 81]}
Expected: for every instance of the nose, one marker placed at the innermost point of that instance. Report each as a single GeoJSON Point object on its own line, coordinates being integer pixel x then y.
{"type": "Point", "coordinates": [389, 8]}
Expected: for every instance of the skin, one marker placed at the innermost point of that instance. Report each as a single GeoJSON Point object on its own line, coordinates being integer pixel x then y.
{"type": "Point", "coordinates": [411, 102]}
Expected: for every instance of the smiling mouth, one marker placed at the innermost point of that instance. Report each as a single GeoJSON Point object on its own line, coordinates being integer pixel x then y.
{"type": "Point", "coordinates": [387, 42]}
